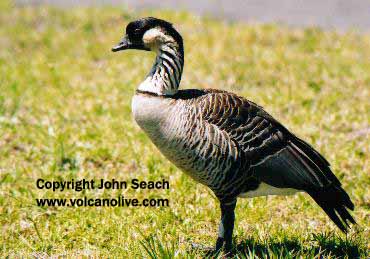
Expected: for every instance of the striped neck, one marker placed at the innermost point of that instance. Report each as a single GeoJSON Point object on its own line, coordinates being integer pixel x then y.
{"type": "Point", "coordinates": [165, 76]}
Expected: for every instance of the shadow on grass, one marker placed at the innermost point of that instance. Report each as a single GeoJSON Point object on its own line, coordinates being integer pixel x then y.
{"type": "Point", "coordinates": [320, 245]}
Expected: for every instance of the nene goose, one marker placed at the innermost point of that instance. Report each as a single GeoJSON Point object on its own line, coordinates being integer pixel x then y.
{"type": "Point", "coordinates": [222, 140]}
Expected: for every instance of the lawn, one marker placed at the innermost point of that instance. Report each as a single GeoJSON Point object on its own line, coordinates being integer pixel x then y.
{"type": "Point", "coordinates": [65, 114]}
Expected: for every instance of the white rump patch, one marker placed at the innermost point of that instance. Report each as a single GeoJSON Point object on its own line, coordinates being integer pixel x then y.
{"type": "Point", "coordinates": [265, 189]}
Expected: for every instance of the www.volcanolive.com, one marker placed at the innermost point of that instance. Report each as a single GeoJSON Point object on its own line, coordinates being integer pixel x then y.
{"type": "Point", "coordinates": [120, 201]}
{"type": "Point", "coordinates": [83, 184]}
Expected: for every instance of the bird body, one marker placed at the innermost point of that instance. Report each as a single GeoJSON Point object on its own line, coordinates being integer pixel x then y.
{"type": "Point", "coordinates": [222, 140]}
{"type": "Point", "coordinates": [181, 129]}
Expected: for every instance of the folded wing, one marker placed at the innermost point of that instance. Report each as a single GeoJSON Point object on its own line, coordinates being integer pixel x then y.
{"type": "Point", "coordinates": [276, 156]}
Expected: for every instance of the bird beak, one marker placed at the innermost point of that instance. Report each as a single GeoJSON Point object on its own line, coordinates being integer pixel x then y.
{"type": "Point", "coordinates": [123, 44]}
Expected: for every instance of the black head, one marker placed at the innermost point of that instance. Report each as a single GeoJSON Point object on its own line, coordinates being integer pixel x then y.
{"type": "Point", "coordinates": [147, 34]}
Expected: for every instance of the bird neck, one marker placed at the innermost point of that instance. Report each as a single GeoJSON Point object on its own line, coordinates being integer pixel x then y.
{"type": "Point", "coordinates": [165, 76]}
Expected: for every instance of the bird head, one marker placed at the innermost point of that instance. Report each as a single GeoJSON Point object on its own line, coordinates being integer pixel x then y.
{"type": "Point", "coordinates": [149, 34]}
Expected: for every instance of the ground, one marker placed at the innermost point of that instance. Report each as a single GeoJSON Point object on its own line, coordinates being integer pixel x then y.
{"type": "Point", "coordinates": [65, 114]}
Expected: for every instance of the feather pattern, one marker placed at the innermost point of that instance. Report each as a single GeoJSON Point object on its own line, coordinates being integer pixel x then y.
{"type": "Point", "coordinates": [232, 146]}
{"type": "Point", "coordinates": [229, 143]}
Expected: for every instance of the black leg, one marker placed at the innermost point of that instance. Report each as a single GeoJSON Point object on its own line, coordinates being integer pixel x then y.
{"type": "Point", "coordinates": [225, 230]}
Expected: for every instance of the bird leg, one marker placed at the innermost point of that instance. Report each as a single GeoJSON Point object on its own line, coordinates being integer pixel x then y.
{"type": "Point", "coordinates": [225, 230]}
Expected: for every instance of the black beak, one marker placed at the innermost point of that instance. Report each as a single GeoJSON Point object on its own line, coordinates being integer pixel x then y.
{"type": "Point", "coordinates": [123, 44]}
{"type": "Point", "coordinates": [126, 43]}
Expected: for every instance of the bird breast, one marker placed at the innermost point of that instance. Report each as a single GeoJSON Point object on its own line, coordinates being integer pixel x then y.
{"type": "Point", "coordinates": [150, 113]}
{"type": "Point", "coordinates": [176, 128]}
{"type": "Point", "coordinates": [163, 121]}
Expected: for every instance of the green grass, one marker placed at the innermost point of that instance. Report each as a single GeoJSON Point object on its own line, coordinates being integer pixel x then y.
{"type": "Point", "coordinates": [65, 113]}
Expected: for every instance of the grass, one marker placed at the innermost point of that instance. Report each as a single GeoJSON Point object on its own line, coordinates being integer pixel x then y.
{"type": "Point", "coordinates": [65, 113]}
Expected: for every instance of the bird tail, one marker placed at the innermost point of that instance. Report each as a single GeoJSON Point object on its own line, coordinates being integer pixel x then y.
{"type": "Point", "coordinates": [336, 203]}
{"type": "Point", "coordinates": [330, 196]}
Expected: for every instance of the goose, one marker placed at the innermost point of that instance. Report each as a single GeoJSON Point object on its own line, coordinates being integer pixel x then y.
{"type": "Point", "coordinates": [222, 140]}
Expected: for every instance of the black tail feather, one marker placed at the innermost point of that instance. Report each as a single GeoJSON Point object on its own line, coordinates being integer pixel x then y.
{"type": "Point", "coordinates": [312, 174]}
{"type": "Point", "coordinates": [336, 203]}
{"type": "Point", "coordinates": [315, 158]}
{"type": "Point", "coordinates": [330, 196]}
